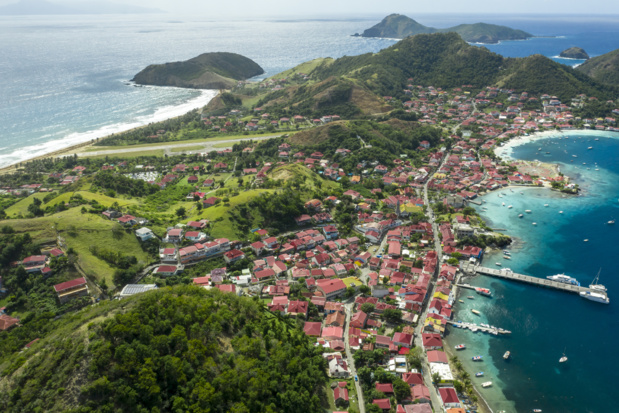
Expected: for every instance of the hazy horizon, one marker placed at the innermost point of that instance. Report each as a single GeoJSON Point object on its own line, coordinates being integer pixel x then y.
{"type": "Point", "coordinates": [361, 8]}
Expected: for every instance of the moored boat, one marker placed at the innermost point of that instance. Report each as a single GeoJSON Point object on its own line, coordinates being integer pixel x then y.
{"type": "Point", "coordinates": [486, 384]}
{"type": "Point", "coordinates": [476, 358]}
{"type": "Point", "coordinates": [479, 374]}
{"type": "Point", "coordinates": [520, 216]}
{"type": "Point", "coordinates": [595, 284]}
{"type": "Point", "coordinates": [562, 278]}
{"type": "Point", "coordinates": [460, 347]}
{"type": "Point", "coordinates": [507, 355]}
{"type": "Point", "coordinates": [475, 312]}
{"type": "Point", "coordinates": [483, 291]}
{"type": "Point", "coordinates": [498, 264]}
{"type": "Point", "coordinates": [594, 296]}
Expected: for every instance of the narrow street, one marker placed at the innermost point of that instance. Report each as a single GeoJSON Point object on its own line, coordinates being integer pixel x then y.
{"type": "Point", "coordinates": [351, 362]}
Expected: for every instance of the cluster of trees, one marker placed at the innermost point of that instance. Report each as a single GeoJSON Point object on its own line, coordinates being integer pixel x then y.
{"type": "Point", "coordinates": [274, 210]}
{"type": "Point", "coordinates": [124, 185]}
{"type": "Point", "coordinates": [115, 258]}
{"type": "Point", "coordinates": [180, 349]}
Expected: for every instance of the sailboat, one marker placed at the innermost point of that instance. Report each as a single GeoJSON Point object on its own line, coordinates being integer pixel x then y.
{"type": "Point", "coordinates": [564, 358]}
{"type": "Point", "coordinates": [595, 284]}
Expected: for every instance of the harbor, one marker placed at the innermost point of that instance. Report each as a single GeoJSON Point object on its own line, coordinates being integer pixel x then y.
{"type": "Point", "coordinates": [484, 328]}
{"type": "Point", "coordinates": [507, 274]}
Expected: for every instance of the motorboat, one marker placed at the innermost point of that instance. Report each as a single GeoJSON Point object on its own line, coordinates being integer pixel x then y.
{"type": "Point", "coordinates": [560, 212]}
{"type": "Point", "coordinates": [475, 312]}
{"type": "Point", "coordinates": [479, 374]}
{"type": "Point", "coordinates": [510, 207]}
{"type": "Point", "coordinates": [497, 264]}
{"type": "Point", "coordinates": [533, 223]}
{"type": "Point", "coordinates": [483, 291]}
{"type": "Point", "coordinates": [505, 252]}
{"type": "Point", "coordinates": [595, 296]}
{"type": "Point", "coordinates": [611, 222]}
{"type": "Point", "coordinates": [460, 301]}
{"type": "Point", "coordinates": [460, 347]}
{"type": "Point", "coordinates": [470, 297]}
{"type": "Point", "coordinates": [528, 211]}
{"type": "Point", "coordinates": [562, 278]}
{"type": "Point", "coordinates": [476, 358]}
{"type": "Point", "coordinates": [520, 216]}
{"type": "Point", "coordinates": [506, 355]}
{"type": "Point", "coordinates": [486, 384]}
{"type": "Point", "coordinates": [545, 205]}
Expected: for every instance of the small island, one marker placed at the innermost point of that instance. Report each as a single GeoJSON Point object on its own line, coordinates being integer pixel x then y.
{"type": "Point", "coordinates": [208, 71]}
{"type": "Point", "coordinates": [574, 53]}
{"type": "Point", "coordinates": [398, 26]}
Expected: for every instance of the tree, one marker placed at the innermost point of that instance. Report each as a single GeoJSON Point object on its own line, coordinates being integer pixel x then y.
{"type": "Point", "coordinates": [392, 316]}
{"type": "Point", "coordinates": [367, 308]}
{"type": "Point", "coordinates": [415, 357]}
{"type": "Point", "coordinates": [436, 378]}
{"type": "Point", "coordinates": [364, 289]}
{"type": "Point", "coordinates": [452, 261]}
{"type": "Point", "coordinates": [180, 212]}
{"type": "Point", "coordinates": [350, 291]}
{"type": "Point", "coordinates": [401, 390]}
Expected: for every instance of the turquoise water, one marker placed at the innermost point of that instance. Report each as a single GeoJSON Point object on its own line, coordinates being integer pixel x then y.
{"type": "Point", "coordinates": [544, 322]}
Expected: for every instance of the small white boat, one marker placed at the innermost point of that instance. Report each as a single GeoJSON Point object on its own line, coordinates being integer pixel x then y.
{"type": "Point", "coordinates": [476, 358]}
{"type": "Point", "coordinates": [479, 374]}
{"type": "Point", "coordinates": [507, 355]}
{"type": "Point", "coordinates": [475, 312]}
{"type": "Point", "coordinates": [498, 264]}
{"type": "Point", "coordinates": [545, 205]}
{"type": "Point", "coordinates": [574, 156]}
{"type": "Point", "coordinates": [560, 212]}
{"type": "Point", "coordinates": [528, 211]}
{"type": "Point", "coordinates": [486, 384]}
{"type": "Point", "coordinates": [507, 257]}
{"type": "Point", "coordinates": [461, 301]}
{"type": "Point", "coordinates": [534, 223]}
{"type": "Point", "coordinates": [611, 222]}
{"type": "Point", "coordinates": [470, 297]}
{"type": "Point", "coordinates": [520, 215]}
{"type": "Point", "coordinates": [563, 359]}
{"type": "Point", "coordinates": [586, 240]}
{"type": "Point", "coordinates": [590, 147]}
{"type": "Point", "coordinates": [509, 207]}
{"type": "Point", "coordinates": [507, 252]}
{"type": "Point", "coordinates": [503, 203]}
{"type": "Point", "coordinates": [460, 347]}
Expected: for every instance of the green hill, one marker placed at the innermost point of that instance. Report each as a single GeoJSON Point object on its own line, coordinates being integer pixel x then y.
{"type": "Point", "coordinates": [208, 71]}
{"type": "Point", "coordinates": [604, 68]}
{"type": "Point", "coordinates": [399, 26]}
{"type": "Point", "coordinates": [174, 349]}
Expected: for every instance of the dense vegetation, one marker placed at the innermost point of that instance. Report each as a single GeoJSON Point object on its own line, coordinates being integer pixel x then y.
{"type": "Point", "coordinates": [180, 349]}
{"type": "Point", "coordinates": [399, 26]}
{"type": "Point", "coordinates": [124, 185]}
{"type": "Point", "coordinates": [208, 71]}
{"type": "Point", "coordinates": [604, 68]}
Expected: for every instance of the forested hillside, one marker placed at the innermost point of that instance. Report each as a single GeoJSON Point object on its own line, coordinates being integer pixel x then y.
{"type": "Point", "coordinates": [181, 349]}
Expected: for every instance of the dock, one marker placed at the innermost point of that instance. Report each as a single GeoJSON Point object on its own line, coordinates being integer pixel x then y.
{"type": "Point", "coordinates": [476, 327]}
{"type": "Point", "coordinates": [507, 274]}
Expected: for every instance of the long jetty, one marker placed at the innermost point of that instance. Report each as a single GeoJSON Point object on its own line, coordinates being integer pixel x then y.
{"type": "Point", "coordinates": [507, 274]}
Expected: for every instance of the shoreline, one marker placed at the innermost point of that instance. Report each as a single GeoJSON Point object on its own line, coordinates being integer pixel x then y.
{"type": "Point", "coordinates": [70, 150]}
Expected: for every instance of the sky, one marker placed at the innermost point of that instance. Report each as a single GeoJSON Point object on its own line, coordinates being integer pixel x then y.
{"type": "Point", "coordinates": [366, 8]}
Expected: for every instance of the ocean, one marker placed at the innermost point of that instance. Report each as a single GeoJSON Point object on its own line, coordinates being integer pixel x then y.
{"type": "Point", "coordinates": [545, 322]}
{"type": "Point", "coordinates": [66, 81]}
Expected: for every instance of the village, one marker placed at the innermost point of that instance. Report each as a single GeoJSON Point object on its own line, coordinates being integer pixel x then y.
{"type": "Point", "coordinates": [369, 268]}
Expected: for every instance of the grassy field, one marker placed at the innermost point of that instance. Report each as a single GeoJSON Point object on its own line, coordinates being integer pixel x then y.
{"type": "Point", "coordinates": [218, 214]}
{"type": "Point", "coordinates": [21, 207]}
{"type": "Point", "coordinates": [223, 145]}
{"type": "Point", "coordinates": [309, 177]}
{"type": "Point", "coordinates": [80, 231]}
{"type": "Point", "coordinates": [305, 67]}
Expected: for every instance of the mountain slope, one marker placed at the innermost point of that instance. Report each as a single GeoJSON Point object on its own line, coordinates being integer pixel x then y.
{"type": "Point", "coordinates": [175, 349]}
{"type": "Point", "coordinates": [604, 68]}
{"type": "Point", "coordinates": [208, 71]}
{"type": "Point", "coordinates": [399, 26]}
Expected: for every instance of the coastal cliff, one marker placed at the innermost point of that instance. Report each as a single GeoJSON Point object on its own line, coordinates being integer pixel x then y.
{"type": "Point", "coordinates": [398, 26]}
{"type": "Point", "coordinates": [208, 71]}
{"type": "Point", "coordinates": [574, 53]}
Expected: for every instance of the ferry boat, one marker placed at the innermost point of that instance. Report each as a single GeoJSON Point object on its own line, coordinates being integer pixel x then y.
{"type": "Point", "coordinates": [479, 374]}
{"type": "Point", "coordinates": [475, 312]}
{"type": "Point", "coordinates": [486, 384]}
{"type": "Point", "coordinates": [483, 291]}
{"type": "Point", "coordinates": [597, 297]}
{"type": "Point", "coordinates": [506, 355]}
{"type": "Point", "coordinates": [562, 278]}
{"type": "Point", "coordinates": [595, 284]}
{"type": "Point", "coordinates": [460, 347]}
{"type": "Point", "coordinates": [476, 358]}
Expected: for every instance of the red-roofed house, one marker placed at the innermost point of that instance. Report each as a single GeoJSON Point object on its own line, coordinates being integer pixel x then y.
{"type": "Point", "coordinates": [312, 329]}
{"type": "Point", "coordinates": [234, 255]}
{"type": "Point", "coordinates": [298, 307]}
{"type": "Point", "coordinates": [420, 393]}
{"type": "Point", "coordinates": [383, 404]}
{"type": "Point", "coordinates": [358, 319]}
{"type": "Point", "coordinates": [386, 388]}
{"type": "Point", "coordinates": [71, 289]}
{"type": "Point", "coordinates": [403, 340]}
{"type": "Point", "coordinates": [449, 397]}
{"type": "Point", "coordinates": [340, 395]}
{"type": "Point", "coordinates": [432, 341]}
{"type": "Point", "coordinates": [6, 322]}
{"type": "Point", "coordinates": [436, 356]}
{"type": "Point", "coordinates": [412, 379]}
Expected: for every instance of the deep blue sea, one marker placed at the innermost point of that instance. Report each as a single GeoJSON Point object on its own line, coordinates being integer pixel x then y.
{"type": "Point", "coordinates": [546, 322]}
{"type": "Point", "coordinates": [64, 79]}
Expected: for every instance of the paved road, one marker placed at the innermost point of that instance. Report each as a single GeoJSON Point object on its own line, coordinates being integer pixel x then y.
{"type": "Point", "coordinates": [351, 361]}
{"type": "Point", "coordinates": [208, 146]}
{"type": "Point", "coordinates": [427, 377]}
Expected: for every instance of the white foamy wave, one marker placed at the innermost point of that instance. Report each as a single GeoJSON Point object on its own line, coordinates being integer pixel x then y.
{"type": "Point", "coordinates": [71, 139]}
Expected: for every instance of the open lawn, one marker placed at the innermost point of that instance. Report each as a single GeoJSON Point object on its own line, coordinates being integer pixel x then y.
{"type": "Point", "coordinates": [80, 232]}
{"type": "Point", "coordinates": [218, 214]}
{"type": "Point", "coordinates": [100, 198]}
